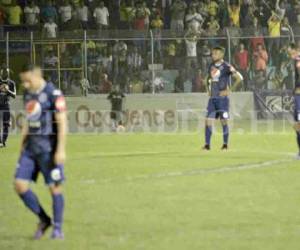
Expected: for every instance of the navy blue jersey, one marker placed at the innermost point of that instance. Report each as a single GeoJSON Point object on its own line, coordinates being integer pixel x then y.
{"type": "Point", "coordinates": [220, 77]}
{"type": "Point", "coordinates": [40, 110]}
{"type": "Point", "coordinates": [6, 95]}
{"type": "Point", "coordinates": [297, 72]}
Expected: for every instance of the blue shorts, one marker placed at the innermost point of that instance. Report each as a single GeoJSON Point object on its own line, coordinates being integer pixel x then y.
{"type": "Point", "coordinates": [30, 165]}
{"type": "Point", "coordinates": [297, 108]}
{"type": "Point", "coordinates": [218, 107]}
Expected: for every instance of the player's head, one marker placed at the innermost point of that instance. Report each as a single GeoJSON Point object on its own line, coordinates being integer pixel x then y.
{"type": "Point", "coordinates": [4, 74]}
{"type": "Point", "coordinates": [31, 77]}
{"type": "Point", "coordinates": [293, 50]}
{"type": "Point", "coordinates": [217, 53]}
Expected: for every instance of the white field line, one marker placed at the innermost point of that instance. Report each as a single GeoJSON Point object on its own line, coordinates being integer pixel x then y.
{"type": "Point", "coordinates": [145, 153]}
{"type": "Point", "coordinates": [217, 170]}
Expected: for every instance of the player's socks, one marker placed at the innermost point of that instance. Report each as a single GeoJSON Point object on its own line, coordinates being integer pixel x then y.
{"type": "Point", "coordinates": [31, 201]}
{"type": "Point", "coordinates": [208, 134]}
{"type": "Point", "coordinates": [298, 139]}
{"type": "Point", "coordinates": [5, 135]}
{"type": "Point", "coordinates": [58, 210]}
{"type": "Point", "coordinates": [225, 134]}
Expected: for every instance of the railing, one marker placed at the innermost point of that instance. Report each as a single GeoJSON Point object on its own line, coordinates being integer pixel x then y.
{"type": "Point", "coordinates": [144, 61]}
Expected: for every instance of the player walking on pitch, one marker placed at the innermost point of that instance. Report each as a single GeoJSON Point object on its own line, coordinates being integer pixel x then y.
{"type": "Point", "coordinates": [218, 84]}
{"type": "Point", "coordinates": [42, 148]}
{"type": "Point", "coordinates": [295, 55]}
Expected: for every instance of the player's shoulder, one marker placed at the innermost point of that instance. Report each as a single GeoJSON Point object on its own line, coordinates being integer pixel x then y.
{"type": "Point", "coordinates": [52, 90]}
{"type": "Point", "coordinates": [227, 64]}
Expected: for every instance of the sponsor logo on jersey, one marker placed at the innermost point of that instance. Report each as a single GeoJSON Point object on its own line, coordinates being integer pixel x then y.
{"type": "Point", "coordinates": [33, 110]}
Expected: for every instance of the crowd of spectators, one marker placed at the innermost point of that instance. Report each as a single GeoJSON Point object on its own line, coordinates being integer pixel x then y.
{"type": "Point", "coordinates": [259, 31]}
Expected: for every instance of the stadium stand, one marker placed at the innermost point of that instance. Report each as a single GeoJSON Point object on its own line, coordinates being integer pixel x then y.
{"type": "Point", "coordinates": [128, 39]}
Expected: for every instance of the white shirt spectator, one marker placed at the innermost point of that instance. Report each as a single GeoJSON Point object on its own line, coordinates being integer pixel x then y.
{"type": "Point", "coordinates": [50, 29]}
{"type": "Point", "coordinates": [82, 13]}
{"type": "Point", "coordinates": [31, 14]}
{"type": "Point", "coordinates": [191, 48]}
{"type": "Point", "coordinates": [101, 15]}
{"type": "Point", "coordinates": [194, 20]}
{"type": "Point", "coordinates": [65, 13]}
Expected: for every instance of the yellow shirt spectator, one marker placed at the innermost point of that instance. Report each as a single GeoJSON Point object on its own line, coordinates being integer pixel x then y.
{"type": "Point", "coordinates": [14, 15]}
{"type": "Point", "coordinates": [212, 8]}
{"type": "Point", "coordinates": [157, 23]}
{"type": "Point", "coordinates": [274, 27]}
{"type": "Point", "coordinates": [234, 14]}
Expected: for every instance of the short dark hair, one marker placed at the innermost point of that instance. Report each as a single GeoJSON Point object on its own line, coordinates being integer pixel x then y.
{"type": "Point", "coordinates": [29, 67]}
{"type": "Point", "coordinates": [220, 48]}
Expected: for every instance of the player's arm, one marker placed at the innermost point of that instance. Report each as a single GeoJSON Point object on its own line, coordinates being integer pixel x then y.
{"type": "Point", "coordinates": [11, 89]}
{"type": "Point", "coordinates": [61, 120]}
{"type": "Point", "coordinates": [61, 123]}
{"type": "Point", "coordinates": [24, 134]}
{"type": "Point", "coordinates": [238, 78]}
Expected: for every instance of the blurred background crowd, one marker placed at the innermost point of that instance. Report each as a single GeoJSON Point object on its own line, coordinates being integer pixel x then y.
{"type": "Point", "coordinates": [128, 40]}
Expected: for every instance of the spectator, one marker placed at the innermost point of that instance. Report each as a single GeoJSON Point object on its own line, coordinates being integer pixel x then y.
{"type": "Point", "coordinates": [274, 33]}
{"type": "Point", "coordinates": [286, 32]}
{"type": "Point", "coordinates": [198, 82]}
{"type": "Point", "coordinates": [241, 59]}
{"type": "Point", "coordinates": [101, 15]}
{"type": "Point", "coordinates": [124, 17]}
{"type": "Point", "coordinates": [50, 60]}
{"type": "Point", "coordinates": [105, 85]}
{"type": "Point", "coordinates": [205, 55]}
{"type": "Point", "coordinates": [260, 57]}
{"type": "Point", "coordinates": [191, 53]}
{"type": "Point", "coordinates": [280, 9]}
{"type": "Point", "coordinates": [212, 7]}
{"type": "Point", "coordinates": [85, 86]}
{"type": "Point", "coordinates": [177, 16]}
{"type": "Point", "coordinates": [65, 12]}
{"type": "Point", "coordinates": [179, 83]}
{"type": "Point", "coordinates": [156, 25]}
{"type": "Point", "coordinates": [134, 60]}
{"type": "Point", "coordinates": [212, 26]}
{"type": "Point", "coordinates": [49, 11]}
{"type": "Point", "coordinates": [139, 16]}
{"type": "Point", "coordinates": [50, 29]}
{"type": "Point", "coordinates": [31, 12]}
{"type": "Point", "coordinates": [147, 15]}
{"type": "Point", "coordinates": [82, 13]}
{"type": "Point", "coordinates": [194, 19]}
{"type": "Point", "coordinates": [170, 62]}
{"type": "Point", "coordinates": [14, 13]}
{"type": "Point", "coordinates": [234, 13]}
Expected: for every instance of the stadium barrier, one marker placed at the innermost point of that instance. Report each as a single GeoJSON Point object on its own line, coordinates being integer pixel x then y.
{"type": "Point", "coordinates": [143, 113]}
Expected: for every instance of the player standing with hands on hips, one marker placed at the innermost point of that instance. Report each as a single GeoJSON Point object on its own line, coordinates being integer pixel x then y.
{"type": "Point", "coordinates": [42, 148]}
{"type": "Point", "coordinates": [7, 91]}
{"type": "Point", "coordinates": [295, 55]}
{"type": "Point", "coordinates": [218, 83]}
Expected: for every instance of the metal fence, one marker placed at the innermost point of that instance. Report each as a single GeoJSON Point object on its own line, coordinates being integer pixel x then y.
{"type": "Point", "coordinates": [153, 61]}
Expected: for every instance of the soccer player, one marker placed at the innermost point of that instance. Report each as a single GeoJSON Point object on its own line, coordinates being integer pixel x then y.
{"type": "Point", "coordinates": [7, 90]}
{"type": "Point", "coordinates": [42, 148]}
{"type": "Point", "coordinates": [295, 55]}
{"type": "Point", "coordinates": [218, 87]}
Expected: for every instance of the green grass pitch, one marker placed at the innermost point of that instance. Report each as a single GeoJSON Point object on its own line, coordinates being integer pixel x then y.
{"type": "Point", "coordinates": [161, 192]}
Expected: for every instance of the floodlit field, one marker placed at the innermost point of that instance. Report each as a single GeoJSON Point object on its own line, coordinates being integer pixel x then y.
{"type": "Point", "coordinates": [161, 192]}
